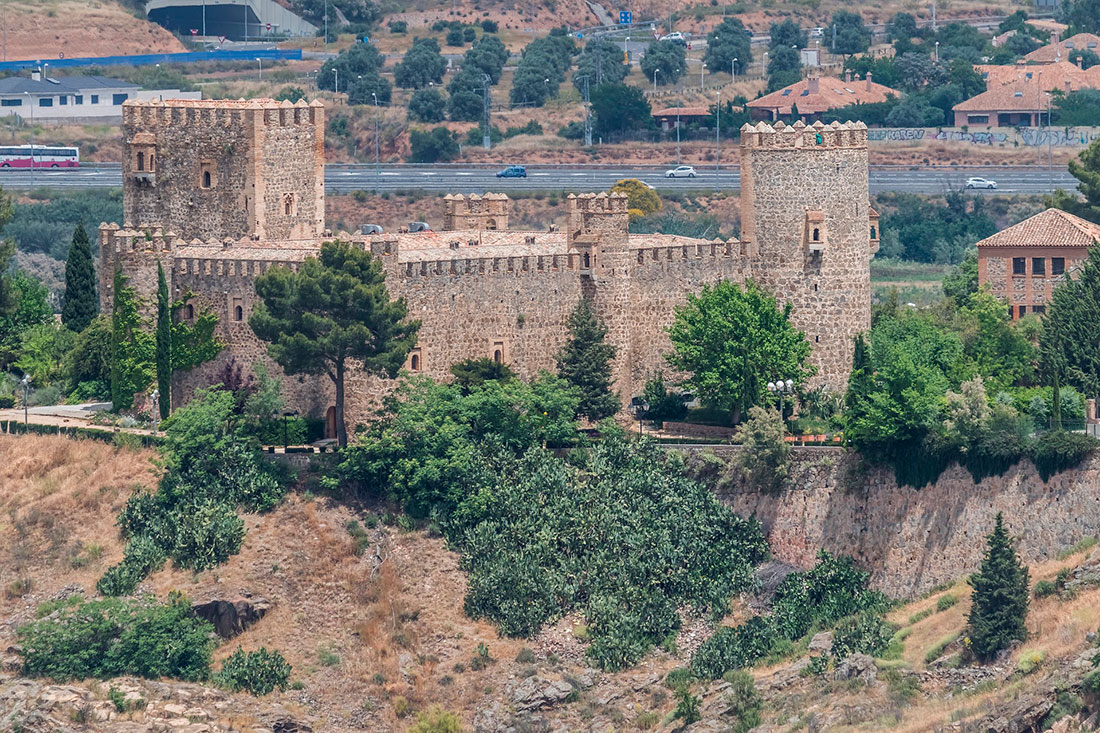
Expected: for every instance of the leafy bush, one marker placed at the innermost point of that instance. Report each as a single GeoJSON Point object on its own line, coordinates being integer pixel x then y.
{"type": "Point", "coordinates": [258, 672]}
{"type": "Point", "coordinates": [489, 26]}
{"type": "Point", "coordinates": [398, 26]}
{"type": "Point", "coordinates": [766, 455]}
{"type": "Point", "coordinates": [114, 637]}
{"type": "Point", "coordinates": [936, 650]}
{"type": "Point", "coordinates": [866, 633]}
{"type": "Point", "coordinates": [819, 597]}
{"type": "Point", "coordinates": [1044, 588]}
{"type": "Point", "coordinates": [1060, 450]}
{"type": "Point", "coordinates": [687, 707]}
{"type": "Point", "coordinates": [663, 405]}
{"type": "Point", "coordinates": [628, 540]}
{"type": "Point", "coordinates": [212, 468]}
{"type": "Point", "coordinates": [946, 601]}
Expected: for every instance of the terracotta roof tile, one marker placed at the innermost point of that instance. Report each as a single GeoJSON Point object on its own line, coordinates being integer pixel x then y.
{"type": "Point", "coordinates": [1050, 228]}
{"type": "Point", "coordinates": [1062, 49]}
{"type": "Point", "coordinates": [832, 93]}
{"type": "Point", "coordinates": [1021, 88]}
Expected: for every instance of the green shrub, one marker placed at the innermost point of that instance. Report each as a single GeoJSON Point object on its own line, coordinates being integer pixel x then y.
{"type": "Point", "coordinates": [743, 700]}
{"type": "Point", "coordinates": [919, 616]}
{"type": "Point", "coordinates": [1060, 450]}
{"type": "Point", "coordinates": [936, 650]}
{"type": "Point", "coordinates": [398, 26]}
{"type": "Point", "coordinates": [258, 672]}
{"type": "Point", "coordinates": [526, 656]}
{"type": "Point", "coordinates": [677, 678]}
{"type": "Point", "coordinates": [114, 637]}
{"type": "Point", "coordinates": [436, 720]}
{"type": "Point", "coordinates": [867, 633]}
{"type": "Point", "coordinates": [1044, 588]}
{"type": "Point", "coordinates": [687, 707]}
{"type": "Point", "coordinates": [1030, 661]}
{"type": "Point", "coordinates": [945, 602]}
{"type": "Point", "coordinates": [732, 648]}
{"type": "Point", "coordinates": [1091, 683]}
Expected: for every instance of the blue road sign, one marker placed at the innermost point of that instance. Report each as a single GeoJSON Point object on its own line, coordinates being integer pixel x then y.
{"type": "Point", "coordinates": [580, 36]}
{"type": "Point", "coordinates": [626, 17]}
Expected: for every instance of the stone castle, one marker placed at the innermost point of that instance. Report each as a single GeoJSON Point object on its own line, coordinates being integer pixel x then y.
{"type": "Point", "coordinates": [218, 192]}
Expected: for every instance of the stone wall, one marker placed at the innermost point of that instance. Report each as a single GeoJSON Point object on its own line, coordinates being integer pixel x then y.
{"type": "Point", "coordinates": [910, 539]}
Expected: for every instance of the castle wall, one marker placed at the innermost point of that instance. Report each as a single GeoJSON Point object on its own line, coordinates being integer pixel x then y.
{"type": "Point", "coordinates": [914, 539]}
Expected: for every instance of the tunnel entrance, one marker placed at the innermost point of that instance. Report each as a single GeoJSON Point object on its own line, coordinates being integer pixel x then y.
{"type": "Point", "coordinates": [235, 22]}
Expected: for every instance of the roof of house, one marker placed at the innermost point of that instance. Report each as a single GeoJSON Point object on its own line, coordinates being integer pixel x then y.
{"type": "Point", "coordinates": [1061, 50]}
{"type": "Point", "coordinates": [1021, 88]}
{"type": "Point", "coordinates": [61, 84]}
{"type": "Point", "coordinates": [813, 96]}
{"type": "Point", "coordinates": [1049, 228]}
{"type": "Point", "coordinates": [682, 111]}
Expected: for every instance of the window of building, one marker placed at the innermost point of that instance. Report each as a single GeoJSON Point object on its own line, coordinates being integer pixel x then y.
{"type": "Point", "coordinates": [817, 234]}
{"type": "Point", "coordinates": [874, 232]}
{"type": "Point", "coordinates": [206, 182]}
{"type": "Point", "coordinates": [11, 102]}
{"type": "Point", "coordinates": [78, 99]}
{"type": "Point", "coordinates": [1023, 311]}
{"type": "Point", "coordinates": [238, 313]}
{"type": "Point", "coordinates": [1019, 265]}
{"type": "Point", "coordinates": [141, 161]}
{"type": "Point", "coordinates": [189, 312]}
{"type": "Point", "coordinates": [95, 99]}
{"type": "Point", "coordinates": [1038, 266]}
{"type": "Point", "coordinates": [498, 356]}
{"type": "Point", "coordinates": [118, 99]}
{"type": "Point", "coordinates": [63, 99]}
{"type": "Point", "coordinates": [415, 362]}
{"type": "Point", "coordinates": [1057, 265]}
{"type": "Point", "coordinates": [977, 119]}
{"type": "Point", "coordinates": [208, 176]}
{"type": "Point", "coordinates": [1038, 309]}
{"type": "Point", "coordinates": [288, 204]}
{"type": "Point", "coordinates": [45, 101]}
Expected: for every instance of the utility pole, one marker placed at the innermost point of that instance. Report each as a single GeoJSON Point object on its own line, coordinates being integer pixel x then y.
{"type": "Point", "coordinates": [733, 70]}
{"type": "Point", "coordinates": [677, 135]}
{"type": "Point", "coordinates": [245, 9]}
{"type": "Point", "coordinates": [833, 47]}
{"type": "Point", "coordinates": [486, 137]}
{"type": "Point", "coordinates": [204, 23]}
{"type": "Point", "coordinates": [933, 17]}
{"type": "Point", "coordinates": [717, 136]}
{"type": "Point", "coordinates": [377, 115]}
{"type": "Point", "coordinates": [326, 25]}
{"type": "Point", "coordinates": [587, 115]}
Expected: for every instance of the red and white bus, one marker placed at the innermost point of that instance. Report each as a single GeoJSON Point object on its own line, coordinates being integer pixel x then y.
{"type": "Point", "coordinates": [44, 156]}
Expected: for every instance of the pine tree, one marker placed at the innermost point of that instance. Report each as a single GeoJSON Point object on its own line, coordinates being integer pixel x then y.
{"type": "Point", "coordinates": [585, 362]}
{"type": "Point", "coordinates": [1000, 597]}
{"type": "Point", "coordinates": [164, 344]}
{"type": "Point", "coordinates": [81, 304]}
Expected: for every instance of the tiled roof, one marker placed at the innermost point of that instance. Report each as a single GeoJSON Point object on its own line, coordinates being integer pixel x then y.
{"type": "Point", "coordinates": [222, 103]}
{"type": "Point", "coordinates": [1050, 228]}
{"type": "Point", "coordinates": [1061, 50]}
{"type": "Point", "coordinates": [682, 111]}
{"type": "Point", "coordinates": [832, 93]}
{"type": "Point", "coordinates": [1021, 88]}
{"type": "Point", "coordinates": [61, 85]}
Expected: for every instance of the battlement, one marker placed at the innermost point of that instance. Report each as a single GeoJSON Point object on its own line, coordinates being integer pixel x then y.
{"type": "Point", "coordinates": [598, 203]}
{"type": "Point", "coordinates": [115, 239]}
{"type": "Point", "coordinates": [654, 255]}
{"type": "Point", "coordinates": [221, 112]}
{"type": "Point", "coordinates": [475, 212]}
{"type": "Point", "coordinates": [800, 135]}
{"type": "Point", "coordinates": [597, 214]}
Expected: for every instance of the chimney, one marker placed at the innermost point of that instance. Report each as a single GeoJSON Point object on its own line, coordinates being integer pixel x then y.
{"type": "Point", "coordinates": [848, 76]}
{"type": "Point", "coordinates": [868, 78]}
{"type": "Point", "coordinates": [36, 74]}
{"type": "Point", "coordinates": [1069, 86]}
{"type": "Point", "coordinates": [812, 84]}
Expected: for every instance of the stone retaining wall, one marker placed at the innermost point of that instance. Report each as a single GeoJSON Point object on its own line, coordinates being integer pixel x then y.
{"type": "Point", "coordinates": [910, 539]}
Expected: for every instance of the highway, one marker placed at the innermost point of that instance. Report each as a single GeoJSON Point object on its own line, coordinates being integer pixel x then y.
{"type": "Point", "coordinates": [344, 178]}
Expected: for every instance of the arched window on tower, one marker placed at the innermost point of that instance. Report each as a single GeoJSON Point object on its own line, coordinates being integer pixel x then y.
{"type": "Point", "coordinates": [141, 161]}
{"type": "Point", "coordinates": [206, 180]}
{"type": "Point", "coordinates": [817, 234]}
{"type": "Point", "coordinates": [498, 357]}
{"type": "Point", "coordinates": [415, 363]}
{"type": "Point", "coordinates": [238, 313]}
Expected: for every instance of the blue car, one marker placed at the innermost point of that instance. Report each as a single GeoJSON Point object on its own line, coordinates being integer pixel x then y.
{"type": "Point", "coordinates": [513, 171]}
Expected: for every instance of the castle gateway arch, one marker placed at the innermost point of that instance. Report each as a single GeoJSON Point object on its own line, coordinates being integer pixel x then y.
{"type": "Point", "coordinates": [236, 20]}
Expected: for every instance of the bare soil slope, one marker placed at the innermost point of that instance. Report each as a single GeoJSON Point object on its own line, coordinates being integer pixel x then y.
{"type": "Point", "coordinates": [46, 29]}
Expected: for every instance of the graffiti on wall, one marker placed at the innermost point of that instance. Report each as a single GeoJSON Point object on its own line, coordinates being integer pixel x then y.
{"type": "Point", "coordinates": [1064, 137]}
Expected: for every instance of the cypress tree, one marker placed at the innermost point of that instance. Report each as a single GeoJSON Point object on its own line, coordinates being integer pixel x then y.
{"type": "Point", "coordinates": [131, 346]}
{"type": "Point", "coordinates": [81, 303]}
{"type": "Point", "coordinates": [164, 344]}
{"type": "Point", "coordinates": [585, 362]}
{"type": "Point", "coordinates": [1000, 597]}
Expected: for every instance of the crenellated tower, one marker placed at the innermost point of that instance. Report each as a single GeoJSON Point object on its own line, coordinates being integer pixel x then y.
{"type": "Point", "coordinates": [806, 222]}
{"type": "Point", "coordinates": [214, 169]}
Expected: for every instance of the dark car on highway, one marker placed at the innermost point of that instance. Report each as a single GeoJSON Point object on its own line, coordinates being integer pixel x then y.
{"type": "Point", "coordinates": [513, 171]}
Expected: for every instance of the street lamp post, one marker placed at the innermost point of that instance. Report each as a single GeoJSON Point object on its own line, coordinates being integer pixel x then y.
{"type": "Point", "coordinates": [717, 136]}
{"type": "Point", "coordinates": [702, 68]}
{"type": "Point", "coordinates": [763, 63]}
{"type": "Point", "coordinates": [155, 397]}
{"type": "Point", "coordinates": [30, 103]}
{"type": "Point", "coordinates": [655, 79]}
{"type": "Point", "coordinates": [639, 408]}
{"type": "Point", "coordinates": [937, 51]}
{"type": "Point", "coordinates": [260, 64]}
{"type": "Point", "coordinates": [677, 135]}
{"type": "Point", "coordinates": [26, 397]}
{"type": "Point", "coordinates": [733, 70]}
{"type": "Point", "coordinates": [779, 388]}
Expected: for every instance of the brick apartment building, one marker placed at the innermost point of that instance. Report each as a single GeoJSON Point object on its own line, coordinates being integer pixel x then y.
{"type": "Point", "coordinates": [1025, 262]}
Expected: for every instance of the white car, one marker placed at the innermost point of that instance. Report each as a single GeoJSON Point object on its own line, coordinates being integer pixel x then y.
{"type": "Point", "coordinates": [817, 33]}
{"type": "Point", "coordinates": [680, 171]}
{"type": "Point", "coordinates": [675, 36]}
{"type": "Point", "coordinates": [980, 183]}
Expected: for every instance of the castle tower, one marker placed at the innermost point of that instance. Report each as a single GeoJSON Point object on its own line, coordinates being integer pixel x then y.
{"type": "Point", "coordinates": [486, 212]}
{"type": "Point", "coordinates": [806, 219]}
{"type": "Point", "coordinates": [218, 169]}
